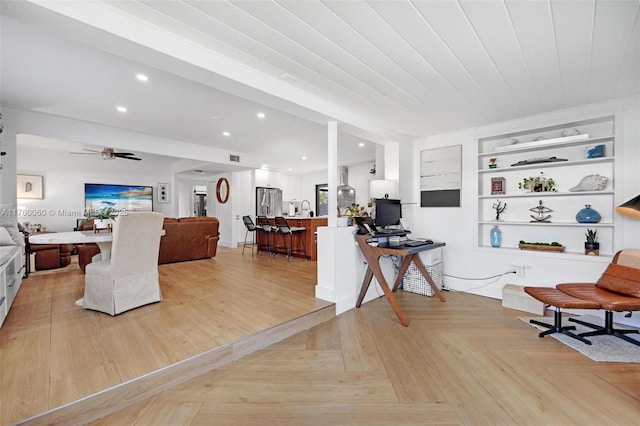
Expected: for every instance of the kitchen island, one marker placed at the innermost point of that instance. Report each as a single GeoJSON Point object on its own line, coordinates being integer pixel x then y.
{"type": "Point", "coordinates": [311, 224]}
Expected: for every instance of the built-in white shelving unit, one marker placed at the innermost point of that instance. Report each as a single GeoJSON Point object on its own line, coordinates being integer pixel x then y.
{"type": "Point", "coordinates": [567, 141]}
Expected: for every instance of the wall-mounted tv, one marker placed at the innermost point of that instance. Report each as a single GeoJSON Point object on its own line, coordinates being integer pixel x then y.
{"type": "Point", "coordinates": [120, 197]}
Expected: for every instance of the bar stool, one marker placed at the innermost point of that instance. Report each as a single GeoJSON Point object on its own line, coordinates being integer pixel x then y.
{"type": "Point", "coordinates": [283, 228]}
{"type": "Point", "coordinates": [264, 230]}
{"type": "Point", "coordinates": [251, 227]}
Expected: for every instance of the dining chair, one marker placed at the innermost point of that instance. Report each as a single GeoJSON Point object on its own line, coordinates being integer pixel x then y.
{"type": "Point", "coordinates": [129, 278]}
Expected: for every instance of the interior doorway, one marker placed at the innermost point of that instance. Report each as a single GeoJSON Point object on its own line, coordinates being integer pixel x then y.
{"type": "Point", "coordinates": [199, 200]}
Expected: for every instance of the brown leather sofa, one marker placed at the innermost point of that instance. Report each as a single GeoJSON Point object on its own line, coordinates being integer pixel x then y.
{"type": "Point", "coordinates": [189, 238]}
{"type": "Point", "coordinates": [51, 256]}
{"type": "Point", "coordinates": [186, 238]}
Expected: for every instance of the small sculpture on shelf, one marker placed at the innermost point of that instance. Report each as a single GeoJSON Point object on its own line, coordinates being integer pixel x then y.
{"type": "Point", "coordinates": [591, 183]}
{"type": "Point", "coordinates": [492, 162]}
{"type": "Point", "coordinates": [596, 152]}
{"type": "Point", "coordinates": [499, 207]}
{"type": "Point", "coordinates": [541, 210]}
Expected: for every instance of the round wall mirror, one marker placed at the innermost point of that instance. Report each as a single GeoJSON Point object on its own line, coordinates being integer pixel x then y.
{"type": "Point", "coordinates": [222, 190]}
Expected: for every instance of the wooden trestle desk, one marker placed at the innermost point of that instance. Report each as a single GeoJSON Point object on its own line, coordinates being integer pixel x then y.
{"type": "Point", "coordinates": [372, 255]}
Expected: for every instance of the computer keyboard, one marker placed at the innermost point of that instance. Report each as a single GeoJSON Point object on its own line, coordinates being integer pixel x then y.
{"type": "Point", "coordinates": [415, 243]}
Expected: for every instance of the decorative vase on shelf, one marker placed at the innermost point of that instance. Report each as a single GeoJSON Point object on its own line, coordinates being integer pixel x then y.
{"type": "Point", "coordinates": [496, 236]}
{"type": "Point", "coordinates": [588, 215]}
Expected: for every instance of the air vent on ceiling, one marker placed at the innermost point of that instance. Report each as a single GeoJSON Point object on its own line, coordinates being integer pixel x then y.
{"type": "Point", "coordinates": [235, 158]}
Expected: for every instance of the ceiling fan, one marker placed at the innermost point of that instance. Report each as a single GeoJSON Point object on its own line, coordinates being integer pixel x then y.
{"type": "Point", "coordinates": [110, 154]}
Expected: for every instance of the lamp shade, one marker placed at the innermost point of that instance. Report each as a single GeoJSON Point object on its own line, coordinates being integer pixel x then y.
{"type": "Point", "coordinates": [630, 209]}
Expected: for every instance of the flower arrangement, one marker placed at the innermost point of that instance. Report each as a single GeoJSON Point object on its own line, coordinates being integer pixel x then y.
{"type": "Point", "coordinates": [102, 214]}
{"type": "Point", "coordinates": [538, 184]}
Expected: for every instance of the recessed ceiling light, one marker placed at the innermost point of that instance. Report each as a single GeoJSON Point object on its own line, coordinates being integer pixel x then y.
{"type": "Point", "coordinates": [226, 134]}
{"type": "Point", "coordinates": [361, 144]}
{"type": "Point", "coordinates": [261, 115]}
{"type": "Point", "coordinates": [304, 158]}
{"type": "Point", "coordinates": [121, 109]}
{"type": "Point", "coordinates": [142, 77]}
{"type": "Point", "coordinates": [216, 117]}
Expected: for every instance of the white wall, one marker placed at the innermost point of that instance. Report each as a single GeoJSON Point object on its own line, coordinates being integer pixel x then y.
{"type": "Point", "coordinates": [224, 211]}
{"type": "Point", "coordinates": [359, 178]}
{"type": "Point", "coordinates": [456, 226]}
{"type": "Point", "coordinates": [64, 176]}
{"type": "Point", "coordinates": [244, 201]}
{"type": "Point", "coordinates": [184, 196]}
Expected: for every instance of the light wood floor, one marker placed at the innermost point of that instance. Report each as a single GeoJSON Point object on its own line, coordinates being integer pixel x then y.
{"type": "Point", "coordinates": [467, 361]}
{"type": "Point", "coordinates": [53, 352]}
{"type": "Point", "coordinates": [464, 362]}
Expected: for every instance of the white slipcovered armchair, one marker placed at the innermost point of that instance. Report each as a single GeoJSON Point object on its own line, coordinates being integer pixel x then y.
{"type": "Point", "coordinates": [129, 278]}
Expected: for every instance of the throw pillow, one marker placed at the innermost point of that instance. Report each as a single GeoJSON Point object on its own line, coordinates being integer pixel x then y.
{"type": "Point", "coordinates": [5, 238]}
{"type": "Point", "coordinates": [18, 237]}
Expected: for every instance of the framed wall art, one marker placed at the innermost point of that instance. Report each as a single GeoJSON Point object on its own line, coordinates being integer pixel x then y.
{"type": "Point", "coordinates": [441, 177]}
{"type": "Point", "coordinates": [497, 185]}
{"type": "Point", "coordinates": [29, 186]}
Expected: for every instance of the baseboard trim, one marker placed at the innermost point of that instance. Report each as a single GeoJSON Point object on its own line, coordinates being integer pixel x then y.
{"type": "Point", "coordinates": [116, 398]}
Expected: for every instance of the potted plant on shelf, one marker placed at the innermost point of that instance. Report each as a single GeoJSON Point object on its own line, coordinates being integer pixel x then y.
{"type": "Point", "coordinates": [592, 245]}
{"type": "Point", "coordinates": [538, 184]}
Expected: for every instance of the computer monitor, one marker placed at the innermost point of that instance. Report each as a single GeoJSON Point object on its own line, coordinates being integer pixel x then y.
{"type": "Point", "coordinates": [388, 212]}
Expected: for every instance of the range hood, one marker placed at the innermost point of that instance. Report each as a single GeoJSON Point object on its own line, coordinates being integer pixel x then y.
{"type": "Point", "coordinates": [346, 193]}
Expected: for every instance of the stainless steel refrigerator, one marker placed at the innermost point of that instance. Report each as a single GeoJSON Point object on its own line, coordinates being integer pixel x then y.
{"type": "Point", "coordinates": [268, 201]}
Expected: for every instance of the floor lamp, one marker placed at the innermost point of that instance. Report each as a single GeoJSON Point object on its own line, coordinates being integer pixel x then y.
{"type": "Point", "coordinates": [630, 209]}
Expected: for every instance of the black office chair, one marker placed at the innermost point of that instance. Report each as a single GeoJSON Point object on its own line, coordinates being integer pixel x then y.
{"type": "Point", "coordinates": [264, 230]}
{"type": "Point", "coordinates": [283, 228]}
{"type": "Point", "coordinates": [251, 227]}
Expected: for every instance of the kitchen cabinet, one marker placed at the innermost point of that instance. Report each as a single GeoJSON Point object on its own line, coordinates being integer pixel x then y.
{"type": "Point", "coordinates": [267, 178]}
{"type": "Point", "coordinates": [290, 186]}
{"type": "Point", "coordinates": [559, 152]}
{"type": "Point", "coordinates": [310, 243]}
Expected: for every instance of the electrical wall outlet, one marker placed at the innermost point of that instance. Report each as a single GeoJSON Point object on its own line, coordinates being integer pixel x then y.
{"type": "Point", "coordinates": [520, 269]}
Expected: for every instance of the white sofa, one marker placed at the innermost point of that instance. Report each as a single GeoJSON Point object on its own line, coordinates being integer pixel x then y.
{"type": "Point", "coordinates": [11, 265]}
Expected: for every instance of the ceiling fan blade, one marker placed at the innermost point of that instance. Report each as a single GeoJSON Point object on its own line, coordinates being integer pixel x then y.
{"type": "Point", "coordinates": [93, 150]}
{"type": "Point", "coordinates": [86, 153]}
{"type": "Point", "coordinates": [121, 154]}
{"type": "Point", "coordinates": [129, 158]}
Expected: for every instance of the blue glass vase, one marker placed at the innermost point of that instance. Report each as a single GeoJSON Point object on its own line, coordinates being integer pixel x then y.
{"type": "Point", "coordinates": [496, 236]}
{"type": "Point", "coordinates": [588, 215]}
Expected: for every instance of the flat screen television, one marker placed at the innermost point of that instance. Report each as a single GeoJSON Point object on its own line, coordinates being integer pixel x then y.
{"type": "Point", "coordinates": [388, 212]}
{"type": "Point", "coordinates": [120, 197]}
